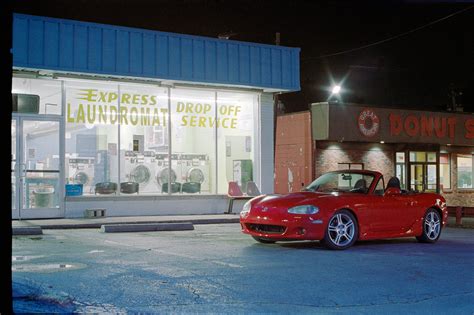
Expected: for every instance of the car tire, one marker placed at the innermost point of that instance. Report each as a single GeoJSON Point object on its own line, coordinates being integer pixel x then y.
{"type": "Point", "coordinates": [263, 240]}
{"type": "Point", "coordinates": [342, 231]}
{"type": "Point", "coordinates": [431, 227]}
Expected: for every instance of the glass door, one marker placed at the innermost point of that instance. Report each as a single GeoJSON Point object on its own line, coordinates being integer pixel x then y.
{"type": "Point", "coordinates": [417, 175]}
{"type": "Point", "coordinates": [423, 171]}
{"type": "Point", "coordinates": [37, 181]}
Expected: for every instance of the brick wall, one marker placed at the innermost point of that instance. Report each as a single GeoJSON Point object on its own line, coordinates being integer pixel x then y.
{"type": "Point", "coordinates": [376, 158]}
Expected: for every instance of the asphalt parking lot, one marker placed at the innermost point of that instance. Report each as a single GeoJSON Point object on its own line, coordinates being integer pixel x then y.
{"type": "Point", "coordinates": [217, 269]}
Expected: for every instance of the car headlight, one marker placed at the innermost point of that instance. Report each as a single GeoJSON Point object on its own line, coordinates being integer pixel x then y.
{"type": "Point", "coordinates": [246, 209]}
{"type": "Point", "coordinates": [306, 209]}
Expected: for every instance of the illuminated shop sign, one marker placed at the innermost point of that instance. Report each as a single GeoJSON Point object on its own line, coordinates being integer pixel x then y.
{"type": "Point", "coordinates": [369, 122]}
{"type": "Point", "coordinates": [429, 126]}
{"type": "Point", "coordinates": [94, 106]}
{"type": "Point", "coordinates": [203, 115]}
{"type": "Point", "coordinates": [350, 122]}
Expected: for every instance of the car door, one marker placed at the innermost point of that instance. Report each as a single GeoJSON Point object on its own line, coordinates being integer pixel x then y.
{"type": "Point", "coordinates": [388, 212]}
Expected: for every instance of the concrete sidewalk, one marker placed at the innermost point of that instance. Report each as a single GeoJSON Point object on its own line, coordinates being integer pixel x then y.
{"type": "Point", "coordinates": [91, 223]}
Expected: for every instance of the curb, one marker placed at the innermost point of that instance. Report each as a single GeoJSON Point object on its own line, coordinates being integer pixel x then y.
{"type": "Point", "coordinates": [120, 228]}
{"type": "Point", "coordinates": [462, 226]}
{"type": "Point", "coordinates": [27, 230]}
{"type": "Point", "coordinates": [100, 224]}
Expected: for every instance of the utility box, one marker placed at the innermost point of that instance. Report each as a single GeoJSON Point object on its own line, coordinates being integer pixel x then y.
{"type": "Point", "coordinates": [94, 213]}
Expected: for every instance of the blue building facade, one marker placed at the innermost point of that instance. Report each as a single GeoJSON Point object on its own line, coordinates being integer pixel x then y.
{"type": "Point", "coordinates": [122, 118]}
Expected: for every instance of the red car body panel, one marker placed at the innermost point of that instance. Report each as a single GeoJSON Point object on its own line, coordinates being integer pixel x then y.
{"type": "Point", "coordinates": [378, 216]}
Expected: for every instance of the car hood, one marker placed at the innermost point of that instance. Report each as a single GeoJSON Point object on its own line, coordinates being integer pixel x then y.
{"type": "Point", "coordinates": [270, 202]}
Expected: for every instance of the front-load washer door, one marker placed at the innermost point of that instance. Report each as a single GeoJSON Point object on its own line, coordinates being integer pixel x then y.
{"type": "Point", "coordinates": [81, 178]}
{"type": "Point", "coordinates": [162, 176]}
{"type": "Point", "coordinates": [195, 175]}
{"type": "Point", "coordinates": [141, 174]}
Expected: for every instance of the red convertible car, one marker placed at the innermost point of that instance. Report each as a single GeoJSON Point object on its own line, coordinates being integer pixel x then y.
{"type": "Point", "coordinates": [342, 207]}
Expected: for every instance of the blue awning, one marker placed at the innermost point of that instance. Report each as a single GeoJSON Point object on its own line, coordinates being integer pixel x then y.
{"type": "Point", "coordinates": [80, 47]}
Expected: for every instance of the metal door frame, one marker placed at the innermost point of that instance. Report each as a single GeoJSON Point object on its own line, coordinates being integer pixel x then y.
{"type": "Point", "coordinates": [425, 174]}
{"type": "Point", "coordinates": [21, 167]}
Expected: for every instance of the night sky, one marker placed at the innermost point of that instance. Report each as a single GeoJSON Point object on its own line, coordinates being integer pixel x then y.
{"type": "Point", "coordinates": [417, 70]}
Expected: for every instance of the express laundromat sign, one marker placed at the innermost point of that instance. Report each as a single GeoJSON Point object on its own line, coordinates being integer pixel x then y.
{"type": "Point", "coordinates": [94, 106]}
{"type": "Point", "coordinates": [356, 123]}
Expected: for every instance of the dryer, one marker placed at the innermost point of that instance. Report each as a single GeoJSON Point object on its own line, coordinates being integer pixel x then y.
{"type": "Point", "coordinates": [143, 170]}
{"type": "Point", "coordinates": [81, 171]}
{"type": "Point", "coordinates": [196, 168]}
{"type": "Point", "coordinates": [149, 161]}
{"type": "Point", "coordinates": [129, 163]}
{"type": "Point", "coordinates": [162, 169]}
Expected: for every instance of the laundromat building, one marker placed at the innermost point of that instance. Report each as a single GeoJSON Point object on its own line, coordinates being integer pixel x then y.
{"type": "Point", "coordinates": [139, 122]}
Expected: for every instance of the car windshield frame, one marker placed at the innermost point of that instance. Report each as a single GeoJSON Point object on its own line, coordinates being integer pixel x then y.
{"type": "Point", "coordinates": [322, 183]}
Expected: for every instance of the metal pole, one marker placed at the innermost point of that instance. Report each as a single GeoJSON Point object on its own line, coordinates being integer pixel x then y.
{"type": "Point", "coordinates": [275, 107]}
{"type": "Point", "coordinates": [169, 141]}
{"type": "Point", "coordinates": [216, 155]}
{"type": "Point", "coordinates": [118, 139]}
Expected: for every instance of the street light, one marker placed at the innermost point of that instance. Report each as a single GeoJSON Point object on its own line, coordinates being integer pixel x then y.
{"type": "Point", "coordinates": [335, 96]}
{"type": "Point", "coordinates": [336, 89]}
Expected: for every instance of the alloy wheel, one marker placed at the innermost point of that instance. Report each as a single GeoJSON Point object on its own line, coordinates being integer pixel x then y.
{"type": "Point", "coordinates": [341, 229]}
{"type": "Point", "coordinates": [432, 225]}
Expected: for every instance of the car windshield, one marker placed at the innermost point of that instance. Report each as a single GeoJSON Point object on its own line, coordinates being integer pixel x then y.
{"type": "Point", "coordinates": [343, 181]}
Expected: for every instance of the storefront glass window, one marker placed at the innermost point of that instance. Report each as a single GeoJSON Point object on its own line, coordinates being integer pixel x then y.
{"type": "Point", "coordinates": [92, 119]}
{"type": "Point", "coordinates": [445, 171]}
{"type": "Point", "coordinates": [431, 157]}
{"type": "Point", "coordinates": [235, 141]}
{"type": "Point", "coordinates": [36, 96]}
{"type": "Point", "coordinates": [417, 156]}
{"type": "Point", "coordinates": [193, 134]}
{"type": "Point", "coordinates": [143, 137]}
{"type": "Point", "coordinates": [400, 157]}
{"type": "Point", "coordinates": [400, 168]}
{"type": "Point", "coordinates": [465, 171]}
{"type": "Point", "coordinates": [128, 138]}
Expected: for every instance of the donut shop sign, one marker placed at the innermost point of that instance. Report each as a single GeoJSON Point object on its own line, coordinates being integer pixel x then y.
{"type": "Point", "coordinates": [359, 123]}
{"type": "Point", "coordinates": [430, 125]}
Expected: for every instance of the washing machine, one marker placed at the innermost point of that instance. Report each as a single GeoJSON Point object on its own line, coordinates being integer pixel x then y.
{"type": "Point", "coordinates": [149, 161]}
{"type": "Point", "coordinates": [162, 169]}
{"type": "Point", "coordinates": [196, 168]}
{"type": "Point", "coordinates": [81, 171]}
{"type": "Point", "coordinates": [129, 158]}
{"type": "Point", "coordinates": [143, 170]}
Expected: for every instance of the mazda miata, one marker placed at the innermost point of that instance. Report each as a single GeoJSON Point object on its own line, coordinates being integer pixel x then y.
{"type": "Point", "coordinates": [341, 207]}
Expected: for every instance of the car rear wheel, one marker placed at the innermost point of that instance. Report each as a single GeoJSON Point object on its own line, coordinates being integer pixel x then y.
{"type": "Point", "coordinates": [431, 227]}
{"type": "Point", "coordinates": [342, 231]}
{"type": "Point", "coordinates": [263, 240]}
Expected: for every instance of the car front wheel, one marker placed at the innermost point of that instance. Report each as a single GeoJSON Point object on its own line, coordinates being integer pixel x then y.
{"type": "Point", "coordinates": [431, 227]}
{"type": "Point", "coordinates": [342, 231]}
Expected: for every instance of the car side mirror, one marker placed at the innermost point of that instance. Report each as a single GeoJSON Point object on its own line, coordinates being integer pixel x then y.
{"type": "Point", "coordinates": [392, 191]}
